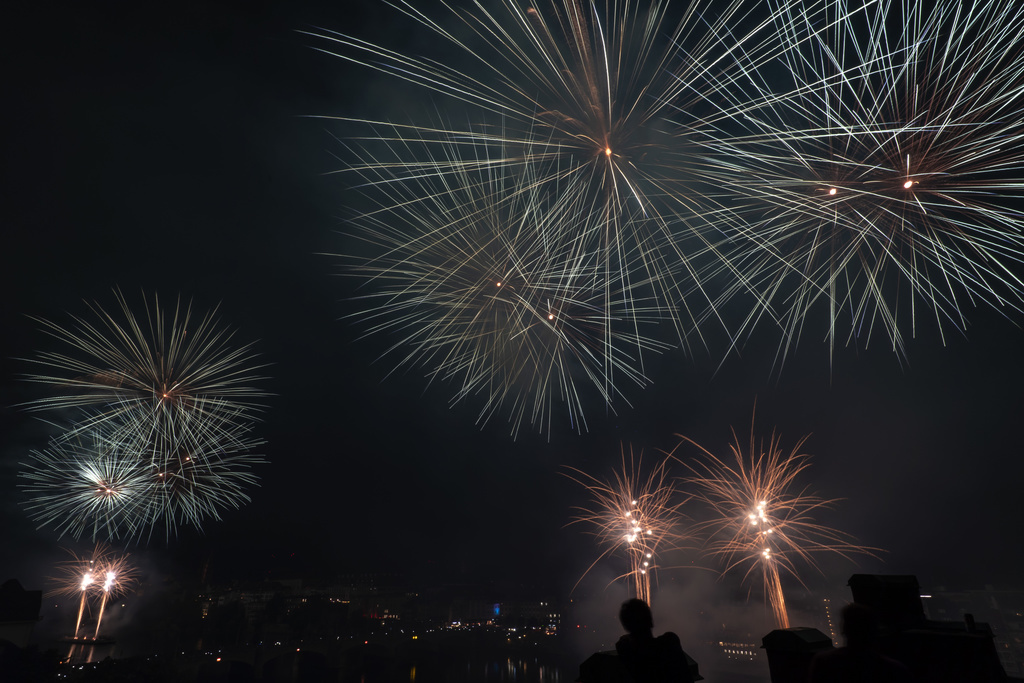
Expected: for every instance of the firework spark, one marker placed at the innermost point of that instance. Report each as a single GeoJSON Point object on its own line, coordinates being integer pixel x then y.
{"type": "Point", "coordinates": [636, 511]}
{"type": "Point", "coordinates": [886, 183]}
{"type": "Point", "coordinates": [763, 519]}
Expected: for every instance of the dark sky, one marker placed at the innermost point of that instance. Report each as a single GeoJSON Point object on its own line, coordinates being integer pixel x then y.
{"type": "Point", "coordinates": [173, 153]}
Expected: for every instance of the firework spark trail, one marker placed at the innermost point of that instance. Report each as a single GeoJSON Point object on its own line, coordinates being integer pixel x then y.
{"type": "Point", "coordinates": [763, 519]}
{"type": "Point", "coordinates": [635, 510]}
{"type": "Point", "coordinates": [887, 183]}
{"type": "Point", "coordinates": [110, 577]}
{"type": "Point", "coordinates": [618, 97]}
{"type": "Point", "coordinates": [87, 580]}
{"type": "Point", "coordinates": [474, 271]}
{"type": "Point", "coordinates": [118, 574]}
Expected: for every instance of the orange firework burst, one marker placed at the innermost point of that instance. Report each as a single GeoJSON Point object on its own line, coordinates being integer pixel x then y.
{"type": "Point", "coordinates": [102, 572]}
{"type": "Point", "coordinates": [77, 577]}
{"type": "Point", "coordinates": [763, 518]}
{"type": "Point", "coordinates": [633, 510]}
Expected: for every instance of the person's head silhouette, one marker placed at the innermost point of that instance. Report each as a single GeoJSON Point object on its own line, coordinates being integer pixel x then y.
{"type": "Point", "coordinates": [636, 617]}
{"type": "Point", "coordinates": [860, 626]}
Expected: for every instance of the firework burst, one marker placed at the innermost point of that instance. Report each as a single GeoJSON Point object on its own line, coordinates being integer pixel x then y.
{"type": "Point", "coordinates": [634, 511]}
{"type": "Point", "coordinates": [103, 572]}
{"type": "Point", "coordinates": [76, 579]}
{"type": "Point", "coordinates": [204, 469]}
{"type": "Point", "coordinates": [110, 484]}
{"type": "Point", "coordinates": [150, 371]}
{"type": "Point", "coordinates": [618, 97]}
{"type": "Point", "coordinates": [763, 519]}
{"type": "Point", "coordinates": [886, 184]}
{"type": "Point", "coordinates": [87, 486]}
{"type": "Point", "coordinates": [484, 287]}
{"type": "Point", "coordinates": [118, 575]}
{"type": "Point", "coordinates": [166, 410]}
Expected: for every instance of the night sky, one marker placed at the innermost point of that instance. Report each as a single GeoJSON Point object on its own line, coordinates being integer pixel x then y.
{"type": "Point", "coordinates": [176, 153]}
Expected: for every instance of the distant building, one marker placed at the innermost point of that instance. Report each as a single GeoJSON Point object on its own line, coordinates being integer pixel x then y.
{"type": "Point", "coordinates": [1002, 609]}
{"type": "Point", "coordinates": [740, 651]}
{"type": "Point", "coordinates": [471, 611]}
{"type": "Point", "coordinates": [19, 612]}
{"type": "Point", "coordinates": [738, 654]}
{"type": "Point", "coordinates": [530, 614]}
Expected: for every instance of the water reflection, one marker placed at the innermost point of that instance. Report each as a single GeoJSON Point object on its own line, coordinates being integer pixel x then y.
{"type": "Point", "coordinates": [512, 670]}
{"type": "Point", "coordinates": [508, 670]}
{"type": "Point", "coordinates": [86, 651]}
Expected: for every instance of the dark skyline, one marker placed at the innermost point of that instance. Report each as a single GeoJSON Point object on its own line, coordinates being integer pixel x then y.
{"type": "Point", "coordinates": [176, 154]}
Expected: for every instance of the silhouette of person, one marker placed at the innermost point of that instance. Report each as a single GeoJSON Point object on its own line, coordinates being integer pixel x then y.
{"type": "Point", "coordinates": [646, 658]}
{"type": "Point", "coordinates": [860, 660]}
